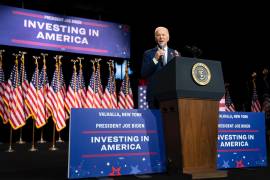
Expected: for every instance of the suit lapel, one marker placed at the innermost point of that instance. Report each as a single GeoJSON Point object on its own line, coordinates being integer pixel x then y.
{"type": "Point", "coordinates": [169, 55]}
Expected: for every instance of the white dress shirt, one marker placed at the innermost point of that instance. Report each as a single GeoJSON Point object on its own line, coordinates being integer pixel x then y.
{"type": "Point", "coordinates": [165, 57]}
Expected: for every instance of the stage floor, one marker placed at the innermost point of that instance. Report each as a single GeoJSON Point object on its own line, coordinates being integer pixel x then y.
{"type": "Point", "coordinates": [45, 164]}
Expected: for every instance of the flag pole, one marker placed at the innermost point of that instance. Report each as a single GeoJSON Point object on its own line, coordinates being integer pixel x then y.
{"type": "Point", "coordinates": [59, 133]}
{"type": "Point", "coordinates": [33, 149]}
{"type": "Point", "coordinates": [42, 141]}
{"type": "Point", "coordinates": [21, 141]}
{"type": "Point", "coordinates": [1, 59]}
{"type": "Point", "coordinates": [255, 104]}
{"type": "Point", "coordinates": [253, 75]}
{"type": "Point", "coordinates": [10, 149]}
{"type": "Point", "coordinates": [266, 100]}
{"type": "Point", "coordinates": [114, 101]}
{"type": "Point", "coordinates": [80, 88]}
{"type": "Point", "coordinates": [94, 83]}
{"type": "Point", "coordinates": [54, 148]}
{"type": "Point", "coordinates": [110, 74]}
{"type": "Point", "coordinates": [75, 83]}
{"type": "Point", "coordinates": [127, 84]}
{"type": "Point", "coordinates": [98, 70]}
{"type": "Point", "coordinates": [265, 75]}
{"type": "Point", "coordinates": [59, 138]}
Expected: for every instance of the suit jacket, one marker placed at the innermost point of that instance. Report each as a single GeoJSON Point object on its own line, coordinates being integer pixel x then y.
{"type": "Point", "coordinates": [149, 67]}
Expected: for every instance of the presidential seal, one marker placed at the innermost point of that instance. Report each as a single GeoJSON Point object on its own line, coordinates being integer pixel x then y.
{"type": "Point", "coordinates": [201, 74]}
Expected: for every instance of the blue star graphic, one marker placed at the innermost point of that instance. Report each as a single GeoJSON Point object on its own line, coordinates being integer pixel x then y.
{"type": "Point", "coordinates": [226, 164]}
{"type": "Point", "coordinates": [134, 170]}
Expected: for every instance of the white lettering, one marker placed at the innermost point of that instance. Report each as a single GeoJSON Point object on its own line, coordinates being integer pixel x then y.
{"type": "Point", "coordinates": [59, 28]}
{"type": "Point", "coordinates": [62, 38]}
{"type": "Point", "coordinates": [120, 147]}
{"type": "Point", "coordinates": [229, 137]}
{"type": "Point", "coordinates": [114, 139]}
{"type": "Point", "coordinates": [94, 32]}
{"type": "Point", "coordinates": [234, 144]}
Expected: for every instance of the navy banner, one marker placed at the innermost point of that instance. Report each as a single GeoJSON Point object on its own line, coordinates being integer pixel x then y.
{"type": "Point", "coordinates": [107, 142]}
{"type": "Point", "coordinates": [241, 140]}
{"type": "Point", "coordinates": [34, 29]}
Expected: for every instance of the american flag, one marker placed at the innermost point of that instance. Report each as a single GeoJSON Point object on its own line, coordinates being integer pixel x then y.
{"type": "Point", "coordinates": [35, 99]}
{"type": "Point", "coordinates": [99, 84]}
{"type": "Point", "coordinates": [109, 98]}
{"type": "Point", "coordinates": [266, 105]}
{"type": "Point", "coordinates": [125, 94]}
{"type": "Point", "coordinates": [62, 80]}
{"type": "Point", "coordinates": [2, 86]}
{"type": "Point", "coordinates": [44, 88]}
{"type": "Point", "coordinates": [266, 95]}
{"type": "Point", "coordinates": [63, 88]}
{"type": "Point", "coordinates": [90, 89]}
{"type": "Point", "coordinates": [3, 107]}
{"type": "Point", "coordinates": [82, 89]}
{"type": "Point", "coordinates": [222, 104]}
{"type": "Point", "coordinates": [142, 103]}
{"type": "Point", "coordinates": [113, 89]}
{"type": "Point", "coordinates": [14, 99]}
{"type": "Point", "coordinates": [228, 102]}
{"type": "Point", "coordinates": [7, 96]}
{"type": "Point", "coordinates": [255, 104]}
{"type": "Point", "coordinates": [25, 87]}
{"type": "Point", "coordinates": [98, 89]}
{"type": "Point", "coordinates": [72, 99]}
{"type": "Point", "coordinates": [56, 100]}
{"type": "Point", "coordinates": [31, 96]}
{"type": "Point", "coordinates": [50, 101]}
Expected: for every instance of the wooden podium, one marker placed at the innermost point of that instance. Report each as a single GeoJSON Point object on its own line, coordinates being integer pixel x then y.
{"type": "Point", "coordinates": [190, 114]}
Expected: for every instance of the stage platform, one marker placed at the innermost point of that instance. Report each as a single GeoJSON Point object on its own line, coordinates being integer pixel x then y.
{"type": "Point", "coordinates": [45, 164]}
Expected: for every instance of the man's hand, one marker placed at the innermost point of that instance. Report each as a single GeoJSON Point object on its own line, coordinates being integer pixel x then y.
{"type": "Point", "coordinates": [159, 53]}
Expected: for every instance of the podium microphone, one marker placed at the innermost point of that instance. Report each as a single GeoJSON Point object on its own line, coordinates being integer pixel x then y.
{"type": "Point", "coordinates": [160, 46]}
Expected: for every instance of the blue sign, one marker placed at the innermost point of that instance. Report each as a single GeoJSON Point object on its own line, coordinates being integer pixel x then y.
{"type": "Point", "coordinates": [35, 29]}
{"type": "Point", "coordinates": [241, 140]}
{"type": "Point", "coordinates": [106, 142]}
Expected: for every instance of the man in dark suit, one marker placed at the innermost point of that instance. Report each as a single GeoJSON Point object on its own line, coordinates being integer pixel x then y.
{"type": "Point", "coordinates": [156, 58]}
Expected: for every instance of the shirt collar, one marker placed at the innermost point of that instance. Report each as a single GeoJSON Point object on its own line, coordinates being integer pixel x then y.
{"type": "Point", "coordinates": [166, 48]}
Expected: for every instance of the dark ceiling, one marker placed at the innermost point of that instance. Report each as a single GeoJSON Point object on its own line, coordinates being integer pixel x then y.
{"type": "Point", "coordinates": [234, 33]}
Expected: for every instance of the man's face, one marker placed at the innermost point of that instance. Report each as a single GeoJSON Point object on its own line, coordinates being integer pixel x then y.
{"type": "Point", "coordinates": [162, 36]}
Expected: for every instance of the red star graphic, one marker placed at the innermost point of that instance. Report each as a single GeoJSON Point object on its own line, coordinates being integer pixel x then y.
{"type": "Point", "coordinates": [115, 171]}
{"type": "Point", "coordinates": [239, 164]}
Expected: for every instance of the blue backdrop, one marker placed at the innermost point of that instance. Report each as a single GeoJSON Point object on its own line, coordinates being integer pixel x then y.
{"type": "Point", "coordinates": [115, 142]}
{"type": "Point", "coordinates": [241, 140]}
{"type": "Point", "coordinates": [35, 29]}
